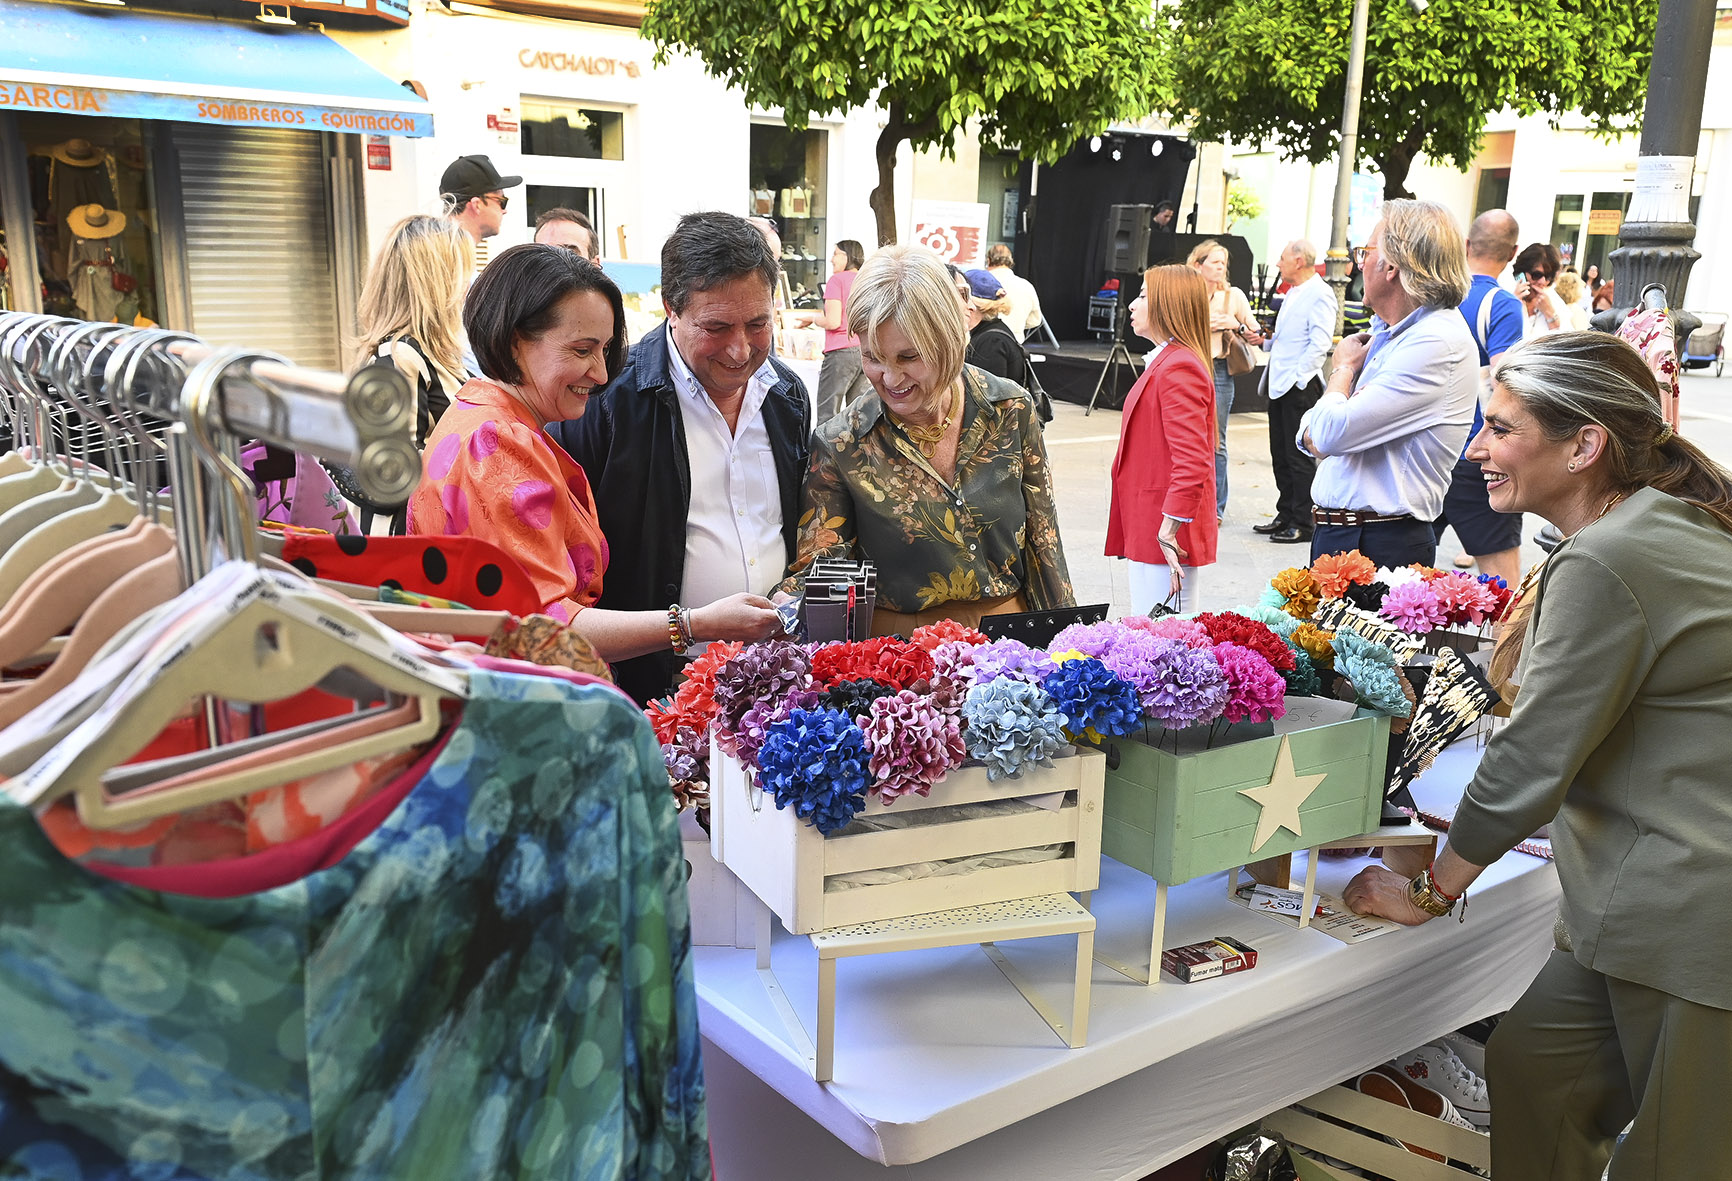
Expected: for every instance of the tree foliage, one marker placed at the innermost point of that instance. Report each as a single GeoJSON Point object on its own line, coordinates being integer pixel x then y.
{"type": "Point", "coordinates": [1275, 71]}
{"type": "Point", "coordinates": [1036, 74]}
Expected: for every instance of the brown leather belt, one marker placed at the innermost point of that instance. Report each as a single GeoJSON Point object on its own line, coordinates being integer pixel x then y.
{"type": "Point", "coordinates": [1353, 517]}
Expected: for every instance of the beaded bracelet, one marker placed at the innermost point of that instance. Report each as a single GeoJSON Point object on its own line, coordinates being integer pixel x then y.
{"type": "Point", "coordinates": [679, 639]}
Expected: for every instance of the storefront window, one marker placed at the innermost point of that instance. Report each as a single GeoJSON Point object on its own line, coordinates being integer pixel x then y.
{"type": "Point", "coordinates": [788, 171]}
{"type": "Point", "coordinates": [1605, 219]}
{"type": "Point", "coordinates": [95, 228]}
{"type": "Point", "coordinates": [587, 201]}
{"type": "Point", "coordinates": [552, 127]}
{"type": "Point", "coordinates": [1567, 226]}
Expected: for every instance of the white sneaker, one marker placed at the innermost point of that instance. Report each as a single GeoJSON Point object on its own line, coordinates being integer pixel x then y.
{"type": "Point", "coordinates": [1471, 1053]}
{"type": "Point", "coordinates": [1438, 1067]}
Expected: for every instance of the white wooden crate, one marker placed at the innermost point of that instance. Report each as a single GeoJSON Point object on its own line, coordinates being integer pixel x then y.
{"type": "Point", "coordinates": [1363, 1145]}
{"type": "Point", "coordinates": [785, 861]}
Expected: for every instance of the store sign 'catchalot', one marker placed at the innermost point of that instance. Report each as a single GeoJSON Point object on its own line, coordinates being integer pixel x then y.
{"type": "Point", "coordinates": [134, 104]}
{"type": "Point", "coordinates": [573, 63]}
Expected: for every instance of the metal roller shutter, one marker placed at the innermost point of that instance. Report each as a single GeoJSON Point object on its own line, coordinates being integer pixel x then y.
{"type": "Point", "coordinates": [256, 211]}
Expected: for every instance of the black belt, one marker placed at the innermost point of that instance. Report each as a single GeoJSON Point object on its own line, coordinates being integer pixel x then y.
{"type": "Point", "coordinates": [1353, 517]}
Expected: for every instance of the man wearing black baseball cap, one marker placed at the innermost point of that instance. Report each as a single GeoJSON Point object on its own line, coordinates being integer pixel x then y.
{"type": "Point", "coordinates": [474, 195]}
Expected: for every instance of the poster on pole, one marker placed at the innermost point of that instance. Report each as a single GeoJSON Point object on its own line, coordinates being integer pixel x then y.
{"type": "Point", "coordinates": [1364, 206]}
{"type": "Point", "coordinates": [955, 230]}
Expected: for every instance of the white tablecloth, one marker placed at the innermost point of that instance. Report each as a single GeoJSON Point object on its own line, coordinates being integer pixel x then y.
{"type": "Point", "coordinates": [943, 1070]}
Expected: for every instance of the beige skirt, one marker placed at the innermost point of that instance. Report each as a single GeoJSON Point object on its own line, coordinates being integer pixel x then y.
{"type": "Point", "coordinates": [896, 623]}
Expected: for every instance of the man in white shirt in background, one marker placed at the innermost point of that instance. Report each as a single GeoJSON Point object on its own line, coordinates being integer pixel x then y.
{"type": "Point", "coordinates": [696, 449]}
{"type": "Point", "coordinates": [1396, 409]}
{"type": "Point", "coordinates": [1024, 314]}
{"type": "Point", "coordinates": [1293, 381]}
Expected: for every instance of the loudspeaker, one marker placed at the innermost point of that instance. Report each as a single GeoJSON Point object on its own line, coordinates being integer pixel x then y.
{"type": "Point", "coordinates": [1127, 245]}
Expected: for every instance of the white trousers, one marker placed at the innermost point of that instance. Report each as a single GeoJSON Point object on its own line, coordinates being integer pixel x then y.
{"type": "Point", "coordinates": [1152, 583]}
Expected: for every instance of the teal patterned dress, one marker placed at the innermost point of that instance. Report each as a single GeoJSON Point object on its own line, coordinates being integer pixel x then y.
{"type": "Point", "coordinates": [497, 983]}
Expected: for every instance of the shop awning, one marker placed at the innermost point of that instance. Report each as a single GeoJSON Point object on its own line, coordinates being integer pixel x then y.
{"type": "Point", "coordinates": [80, 60]}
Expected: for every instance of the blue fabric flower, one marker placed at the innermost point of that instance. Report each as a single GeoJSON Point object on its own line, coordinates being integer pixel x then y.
{"type": "Point", "coordinates": [1093, 700]}
{"type": "Point", "coordinates": [815, 760]}
{"type": "Point", "coordinates": [1371, 668]}
{"type": "Point", "coordinates": [1009, 724]}
{"type": "Point", "coordinates": [1303, 680]}
{"type": "Point", "coordinates": [1271, 598]}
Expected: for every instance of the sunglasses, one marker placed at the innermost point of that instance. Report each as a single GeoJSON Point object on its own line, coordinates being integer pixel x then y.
{"type": "Point", "coordinates": [503, 200]}
{"type": "Point", "coordinates": [1539, 277]}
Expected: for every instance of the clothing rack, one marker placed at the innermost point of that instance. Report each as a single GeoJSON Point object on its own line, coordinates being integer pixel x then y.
{"type": "Point", "coordinates": [196, 403]}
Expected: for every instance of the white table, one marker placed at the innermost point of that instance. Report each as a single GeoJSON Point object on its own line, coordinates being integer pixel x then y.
{"type": "Point", "coordinates": [943, 1070]}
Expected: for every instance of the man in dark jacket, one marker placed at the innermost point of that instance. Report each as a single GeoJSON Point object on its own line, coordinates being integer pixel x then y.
{"type": "Point", "coordinates": [697, 450]}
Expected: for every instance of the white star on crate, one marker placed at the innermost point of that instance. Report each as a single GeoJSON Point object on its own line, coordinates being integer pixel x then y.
{"type": "Point", "coordinates": [1282, 797]}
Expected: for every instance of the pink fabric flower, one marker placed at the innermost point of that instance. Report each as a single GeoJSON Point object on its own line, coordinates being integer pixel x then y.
{"type": "Point", "coordinates": [1464, 599]}
{"type": "Point", "coordinates": [912, 744]}
{"type": "Point", "coordinates": [1255, 691]}
{"type": "Point", "coordinates": [1188, 632]}
{"type": "Point", "coordinates": [1413, 607]}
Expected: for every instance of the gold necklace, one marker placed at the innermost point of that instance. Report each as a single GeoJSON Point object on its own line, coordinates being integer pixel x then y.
{"type": "Point", "coordinates": [927, 437]}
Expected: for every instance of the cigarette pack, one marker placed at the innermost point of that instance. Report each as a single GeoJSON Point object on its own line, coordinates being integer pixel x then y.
{"type": "Point", "coordinates": [1220, 956]}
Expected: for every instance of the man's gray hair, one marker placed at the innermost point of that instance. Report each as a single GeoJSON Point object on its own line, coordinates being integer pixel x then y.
{"type": "Point", "coordinates": [1302, 249]}
{"type": "Point", "coordinates": [1421, 240]}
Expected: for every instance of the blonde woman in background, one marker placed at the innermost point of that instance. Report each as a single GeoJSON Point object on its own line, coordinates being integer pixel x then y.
{"type": "Point", "coordinates": [1229, 313]}
{"type": "Point", "coordinates": [411, 311]}
{"type": "Point", "coordinates": [1577, 303]}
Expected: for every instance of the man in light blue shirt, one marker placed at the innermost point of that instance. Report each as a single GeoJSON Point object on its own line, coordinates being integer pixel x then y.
{"type": "Point", "coordinates": [1396, 409]}
{"type": "Point", "coordinates": [1294, 382]}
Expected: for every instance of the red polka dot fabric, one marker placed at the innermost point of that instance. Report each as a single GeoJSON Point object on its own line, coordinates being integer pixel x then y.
{"type": "Point", "coordinates": [465, 570]}
{"type": "Point", "coordinates": [492, 473]}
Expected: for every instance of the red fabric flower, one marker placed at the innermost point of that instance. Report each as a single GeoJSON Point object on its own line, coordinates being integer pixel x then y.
{"type": "Point", "coordinates": [934, 634]}
{"type": "Point", "coordinates": [696, 699]}
{"type": "Point", "coordinates": [666, 721]}
{"type": "Point", "coordinates": [1225, 627]}
{"type": "Point", "coordinates": [887, 660]}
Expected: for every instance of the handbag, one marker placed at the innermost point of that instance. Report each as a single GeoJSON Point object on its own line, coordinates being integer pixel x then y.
{"type": "Point", "coordinates": [1239, 359]}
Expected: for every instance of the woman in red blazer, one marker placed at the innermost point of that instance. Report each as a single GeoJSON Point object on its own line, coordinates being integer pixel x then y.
{"type": "Point", "coordinates": [1163, 507]}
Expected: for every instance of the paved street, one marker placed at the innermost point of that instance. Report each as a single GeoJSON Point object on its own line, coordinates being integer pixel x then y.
{"type": "Point", "coordinates": [1082, 447]}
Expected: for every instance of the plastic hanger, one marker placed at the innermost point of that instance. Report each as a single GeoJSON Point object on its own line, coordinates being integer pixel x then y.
{"type": "Point", "coordinates": [270, 648]}
{"type": "Point", "coordinates": [57, 594]}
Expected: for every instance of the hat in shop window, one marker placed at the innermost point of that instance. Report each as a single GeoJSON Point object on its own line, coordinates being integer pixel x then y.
{"type": "Point", "coordinates": [474, 176]}
{"type": "Point", "coordinates": [93, 221]}
{"type": "Point", "coordinates": [80, 153]}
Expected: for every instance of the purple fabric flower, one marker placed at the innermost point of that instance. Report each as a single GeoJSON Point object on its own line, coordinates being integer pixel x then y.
{"type": "Point", "coordinates": [912, 744]}
{"type": "Point", "coordinates": [1256, 692]}
{"type": "Point", "coordinates": [1413, 607]}
{"type": "Point", "coordinates": [761, 672]}
{"type": "Point", "coordinates": [1178, 686]}
{"type": "Point", "coordinates": [749, 737]}
{"type": "Point", "coordinates": [687, 759]}
{"type": "Point", "coordinates": [1009, 658]}
{"type": "Point", "coordinates": [1091, 639]}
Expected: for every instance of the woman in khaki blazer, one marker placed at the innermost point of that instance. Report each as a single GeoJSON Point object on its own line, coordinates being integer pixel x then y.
{"type": "Point", "coordinates": [1621, 738]}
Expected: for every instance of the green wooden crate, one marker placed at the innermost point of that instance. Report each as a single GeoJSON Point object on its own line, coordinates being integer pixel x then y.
{"type": "Point", "coordinates": [1178, 817]}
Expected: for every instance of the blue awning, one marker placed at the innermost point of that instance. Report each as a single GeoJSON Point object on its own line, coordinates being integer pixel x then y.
{"type": "Point", "coordinates": [80, 60]}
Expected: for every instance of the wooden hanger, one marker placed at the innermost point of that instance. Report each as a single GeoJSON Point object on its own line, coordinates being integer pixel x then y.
{"type": "Point", "coordinates": [266, 651]}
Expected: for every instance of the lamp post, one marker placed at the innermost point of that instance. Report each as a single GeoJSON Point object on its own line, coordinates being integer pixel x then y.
{"type": "Point", "coordinates": [1335, 262]}
{"type": "Point", "coordinates": [1655, 243]}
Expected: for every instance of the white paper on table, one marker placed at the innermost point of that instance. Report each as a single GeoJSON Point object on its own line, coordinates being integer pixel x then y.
{"type": "Point", "coordinates": [1332, 916]}
{"type": "Point", "coordinates": [1306, 713]}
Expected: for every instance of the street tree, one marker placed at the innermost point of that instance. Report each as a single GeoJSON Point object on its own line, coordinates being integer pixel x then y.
{"type": "Point", "coordinates": [1275, 71]}
{"type": "Point", "coordinates": [1035, 74]}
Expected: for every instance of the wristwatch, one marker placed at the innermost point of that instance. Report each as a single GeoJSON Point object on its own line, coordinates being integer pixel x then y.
{"type": "Point", "coordinates": [1422, 891]}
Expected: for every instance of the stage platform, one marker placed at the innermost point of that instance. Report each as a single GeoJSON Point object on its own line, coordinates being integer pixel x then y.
{"type": "Point", "coordinates": [1070, 371]}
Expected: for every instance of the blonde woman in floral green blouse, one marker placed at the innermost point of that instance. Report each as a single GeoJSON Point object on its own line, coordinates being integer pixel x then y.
{"type": "Point", "coordinates": [940, 476]}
